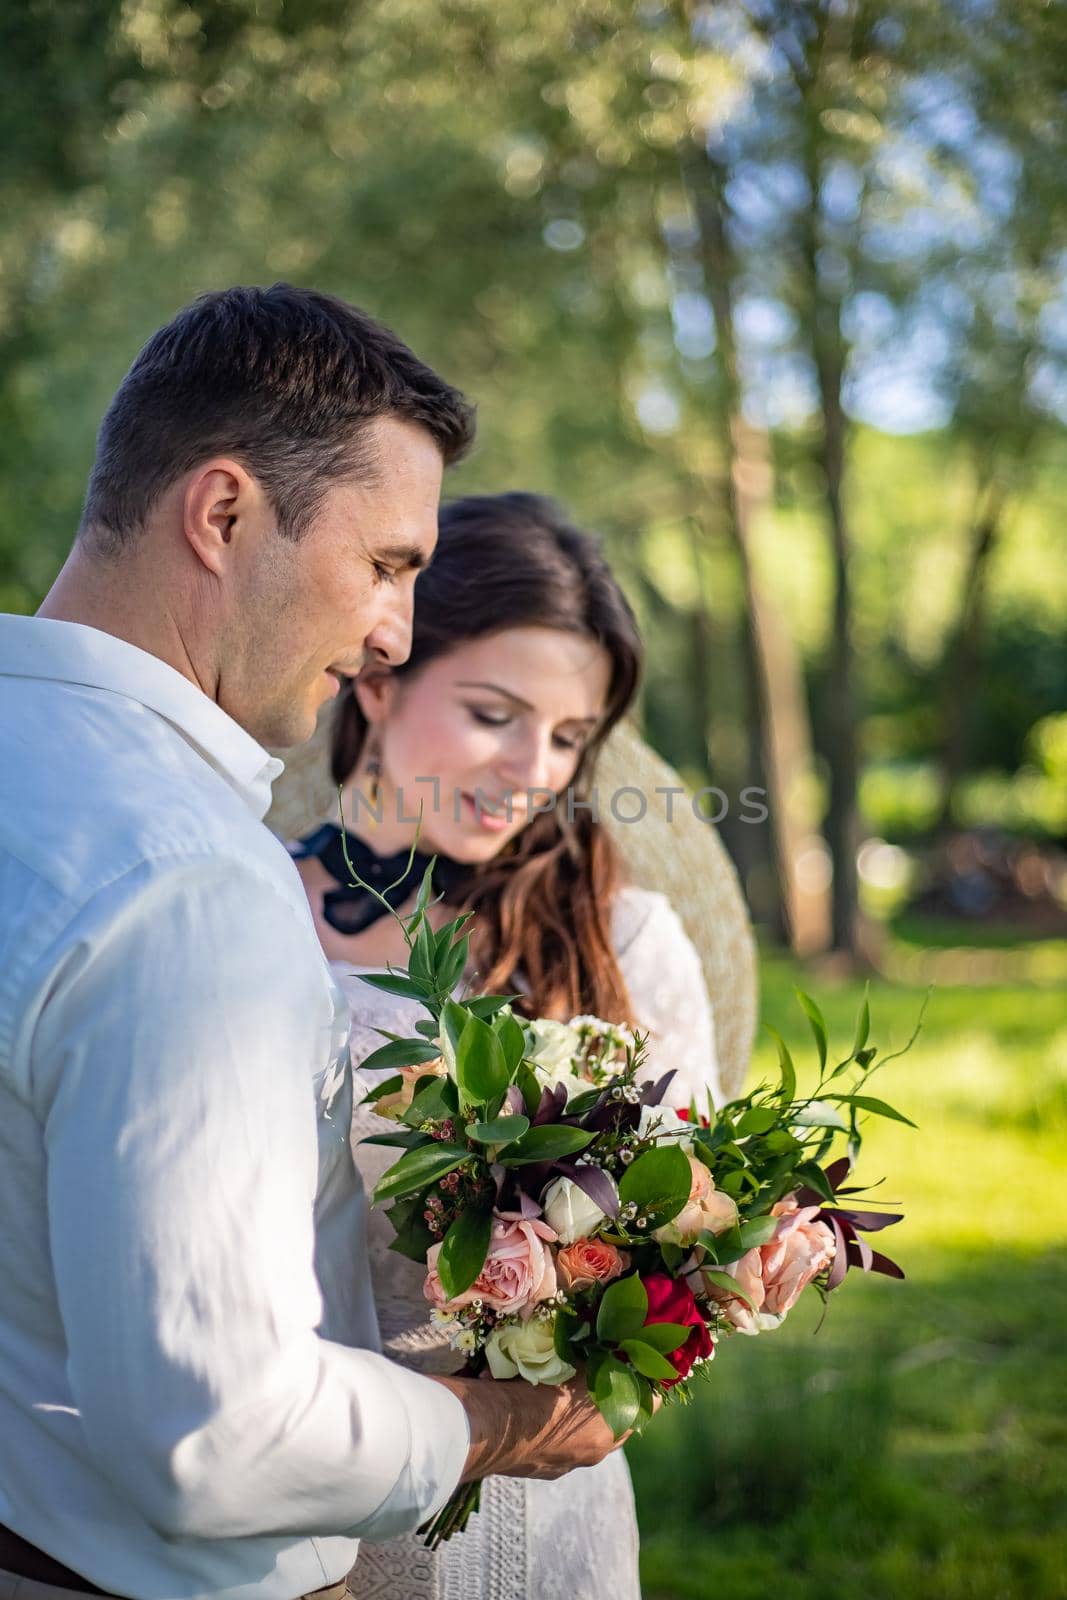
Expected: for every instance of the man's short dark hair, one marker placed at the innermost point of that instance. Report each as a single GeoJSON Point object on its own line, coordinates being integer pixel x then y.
{"type": "Point", "coordinates": [283, 379]}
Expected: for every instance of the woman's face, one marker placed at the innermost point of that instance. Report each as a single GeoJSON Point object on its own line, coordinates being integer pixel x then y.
{"type": "Point", "coordinates": [498, 719]}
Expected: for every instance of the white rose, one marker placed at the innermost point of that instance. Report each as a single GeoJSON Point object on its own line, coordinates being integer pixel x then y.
{"type": "Point", "coordinates": [570, 1212]}
{"type": "Point", "coordinates": [527, 1350]}
{"type": "Point", "coordinates": [663, 1125]}
{"type": "Point", "coordinates": [555, 1045]}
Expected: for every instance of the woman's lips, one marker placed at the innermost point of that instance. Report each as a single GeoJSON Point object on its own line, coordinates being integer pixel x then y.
{"type": "Point", "coordinates": [493, 821]}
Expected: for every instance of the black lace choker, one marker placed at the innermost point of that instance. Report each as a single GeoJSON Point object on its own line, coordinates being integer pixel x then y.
{"type": "Point", "coordinates": [348, 908]}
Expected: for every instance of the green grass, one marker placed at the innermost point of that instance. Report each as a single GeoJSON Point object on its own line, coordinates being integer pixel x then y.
{"type": "Point", "coordinates": [916, 1446]}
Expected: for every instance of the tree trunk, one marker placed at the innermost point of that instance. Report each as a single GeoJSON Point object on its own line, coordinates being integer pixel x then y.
{"type": "Point", "coordinates": [774, 695]}
{"type": "Point", "coordinates": [960, 680]}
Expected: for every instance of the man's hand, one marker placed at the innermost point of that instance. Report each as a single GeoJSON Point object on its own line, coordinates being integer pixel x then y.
{"type": "Point", "coordinates": [524, 1431]}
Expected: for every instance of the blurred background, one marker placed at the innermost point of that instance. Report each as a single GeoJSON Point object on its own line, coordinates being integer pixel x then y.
{"type": "Point", "coordinates": [775, 296]}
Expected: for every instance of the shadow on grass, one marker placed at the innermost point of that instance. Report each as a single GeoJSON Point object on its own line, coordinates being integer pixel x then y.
{"type": "Point", "coordinates": [917, 1446]}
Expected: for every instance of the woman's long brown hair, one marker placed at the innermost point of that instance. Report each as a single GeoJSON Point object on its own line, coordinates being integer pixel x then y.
{"type": "Point", "coordinates": [543, 905]}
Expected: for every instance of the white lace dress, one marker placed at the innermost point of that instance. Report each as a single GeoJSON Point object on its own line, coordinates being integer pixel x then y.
{"type": "Point", "coordinates": [576, 1537]}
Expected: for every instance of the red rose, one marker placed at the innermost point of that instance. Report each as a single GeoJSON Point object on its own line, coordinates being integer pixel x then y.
{"type": "Point", "coordinates": [671, 1300]}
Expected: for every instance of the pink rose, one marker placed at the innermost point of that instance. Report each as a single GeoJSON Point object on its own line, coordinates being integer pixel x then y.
{"type": "Point", "coordinates": [590, 1261]}
{"type": "Point", "coordinates": [774, 1275]}
{"type": "Point", "coordinates": [800, 1250]}
{"type": "Point", "coordinates": [518, 1271]}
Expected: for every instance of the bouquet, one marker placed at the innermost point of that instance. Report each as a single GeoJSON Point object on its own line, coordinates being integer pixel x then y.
{"type": "Point", "coordinates": [571, 1221]}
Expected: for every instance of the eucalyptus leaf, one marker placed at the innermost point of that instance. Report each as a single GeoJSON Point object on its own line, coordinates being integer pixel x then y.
{"type": "Point", "coordinates": [788, 1072]}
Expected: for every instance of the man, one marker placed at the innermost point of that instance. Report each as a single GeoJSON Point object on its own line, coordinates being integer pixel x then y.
{"type": "Point", "coordinates": [191, 1403]}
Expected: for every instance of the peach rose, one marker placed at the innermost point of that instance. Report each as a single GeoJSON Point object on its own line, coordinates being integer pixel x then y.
{"type": "Point", "coordinates": [775, 1274]}
{"type": "Point", "coordinates": [590, 1261]}
{"type": "Point", "coordinates": [394, 1105]}
{"type": "Point", "coordinates": [800, 1250]}
{"type": "Point", "coordinates": [518, 1271]}
{"type": "Point", "coordinates": [707, 1209]}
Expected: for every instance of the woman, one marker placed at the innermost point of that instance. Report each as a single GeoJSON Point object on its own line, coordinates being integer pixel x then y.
{"type": "Point", "coordinates": [524, 656]}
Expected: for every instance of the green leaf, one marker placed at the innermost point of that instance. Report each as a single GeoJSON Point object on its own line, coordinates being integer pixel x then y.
{"type": "Point", "coordinates": [512, 1040]}
{"type": "Point", "coordinates": [623, 1310]}
{"type": "Point", "coordinates": [650, 1363]}
{"type": "Point", "coordinates": [453, 965]}
{"type": "Point", "coordinates": [788, 1072]}
{"type": "Point", "coordinates": [500, 1131]}
{"type": "Point", "coordinates": [418, 1168]}
{"type": "Point", "coordinates": [530, 1087]}
{"type": "Point", "coordinates": [725, 1280]}
{"type": "Point", "coordinates": [463, 1251]}
{"type": "Point", "coordinates": [379, 1092]}
{"type": "Point", "coordinates": [400, 1053]}
{"type": "Point", "coordinates": [811, 1173]}
{"type": "Point", "coordinates": [757, 1231]}
{"type": "Point", "coordinates": [617, 1395]}
{"type": "Point", "coordinates": [817, 1021]}
{"type": "Point", "coordinates": [818, 1114]}
{"type": "Point", "coordinates": [664, 1336]}
{"type": "Point", "coordinates": [481, 1071]}
{"type": "Point", "coordinates": [454, 1019]}
{"type": "Point", "coordinates": [863, 1022]}
{"type": "Point", "coordinates": [758, 1119]}
{"type": "Point", "coordinates": [550, 1142]}
{"type": "Point", "coordinates": [658, 1182]}
{"type": "Point", "coordinates": [877, 1108]}
{"type": "Point", "coordinates": [396, 983]}
{"type": "Point", "coordinates": [435, 1099]}
{"type": "Point", "coordinates": [422, 956]}
{"type": "Point", "coordinates": [487, 1005]}
{"type": "Point", "coordinates": [403, 1138]}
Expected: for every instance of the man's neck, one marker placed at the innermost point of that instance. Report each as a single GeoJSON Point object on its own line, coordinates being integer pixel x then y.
{"type": "Point", "coordinates": [123, 603]}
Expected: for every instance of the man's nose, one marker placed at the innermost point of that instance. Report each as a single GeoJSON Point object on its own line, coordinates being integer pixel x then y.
{"type": "Point", "coordinates": [389, 641]}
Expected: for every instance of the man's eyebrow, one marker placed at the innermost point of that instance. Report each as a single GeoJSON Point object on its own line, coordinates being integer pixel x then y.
{"type": "Point", "coordinates": [401, 555]}
{"type": "Point", "coordinates": [508, 694]}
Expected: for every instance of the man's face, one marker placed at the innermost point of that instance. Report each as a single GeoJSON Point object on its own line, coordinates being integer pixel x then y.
{"type": "Point", "coordinates": [311, 611]}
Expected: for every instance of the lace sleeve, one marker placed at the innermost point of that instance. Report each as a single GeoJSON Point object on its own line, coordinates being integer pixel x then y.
{"type": "Point", "coordinates": [670, 1000]}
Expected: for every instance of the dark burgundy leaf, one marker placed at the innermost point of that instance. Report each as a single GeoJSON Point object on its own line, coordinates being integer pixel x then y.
{"type": "Point", "coordinates": [880, 1263]}
{"type": "Point", "coordinates": [652, 1093]}
{"type": "Point", "coordinates": [598, 1186]}
{"type": "Point", "coordinates": [840, 1263]}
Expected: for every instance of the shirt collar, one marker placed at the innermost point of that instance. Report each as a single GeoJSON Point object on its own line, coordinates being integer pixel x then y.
{"type": "Point", "coordinates": [70, 652]}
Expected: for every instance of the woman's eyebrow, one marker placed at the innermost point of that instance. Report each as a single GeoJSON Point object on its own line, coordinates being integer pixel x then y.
{"type": "Point", "coordinates": [496, 688]}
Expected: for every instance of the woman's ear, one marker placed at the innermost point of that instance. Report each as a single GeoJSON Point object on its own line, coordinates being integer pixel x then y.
{"type": "Point", "coordinates": [375, 691]}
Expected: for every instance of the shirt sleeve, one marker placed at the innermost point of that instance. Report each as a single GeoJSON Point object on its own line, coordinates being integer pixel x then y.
{"type": "Point", "coordinates": [173, 1063]}
{"type": "Point", "coordinates": [670, 998]}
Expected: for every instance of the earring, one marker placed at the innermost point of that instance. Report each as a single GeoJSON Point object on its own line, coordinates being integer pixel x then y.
{"type": "Point", "coordinates": [374, 774]}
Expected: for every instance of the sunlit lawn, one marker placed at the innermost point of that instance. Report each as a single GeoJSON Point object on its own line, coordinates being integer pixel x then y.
{"type": "Point", "coordinates": [917, 1444]}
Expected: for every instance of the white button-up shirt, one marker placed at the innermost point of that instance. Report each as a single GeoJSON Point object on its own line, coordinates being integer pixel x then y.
{"type": "Point", "coordinates": [191, 1402]}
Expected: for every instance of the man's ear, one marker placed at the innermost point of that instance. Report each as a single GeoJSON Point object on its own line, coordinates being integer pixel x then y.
{"type": "Point", "coordinates": [375, 691]}
{"type": "Point", "coordinates": [220, 499]}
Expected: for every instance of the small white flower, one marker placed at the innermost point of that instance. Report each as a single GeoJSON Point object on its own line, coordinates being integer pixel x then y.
{"type": "Point", "coordinates": [466, 1340]}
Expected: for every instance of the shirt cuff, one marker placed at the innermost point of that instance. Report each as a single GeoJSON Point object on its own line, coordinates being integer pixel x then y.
{"type": "Point", "coordinates": [438, 1446]}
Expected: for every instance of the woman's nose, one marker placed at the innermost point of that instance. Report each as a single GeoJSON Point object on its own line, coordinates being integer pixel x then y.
{"type": "Point", "coordinates": [528, 765]}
